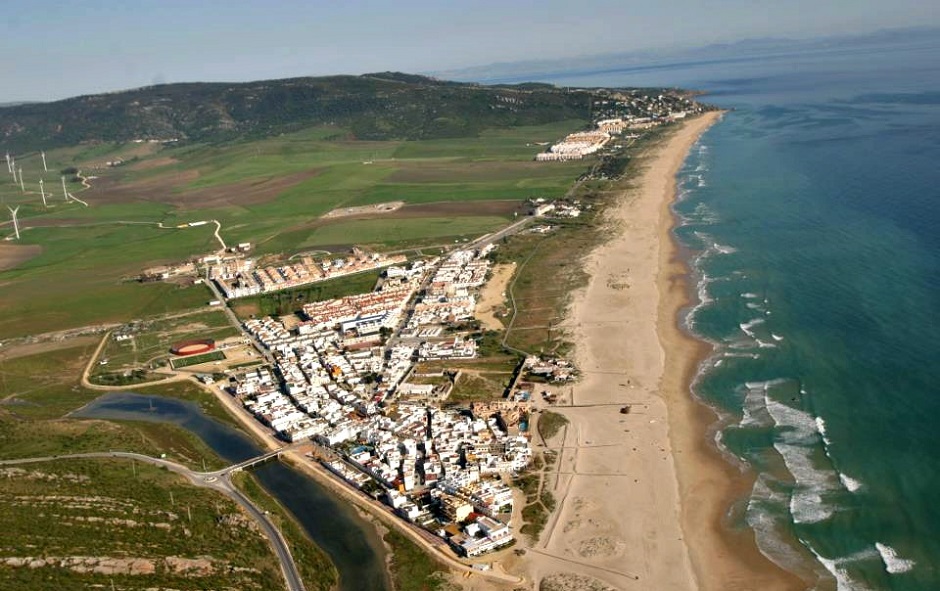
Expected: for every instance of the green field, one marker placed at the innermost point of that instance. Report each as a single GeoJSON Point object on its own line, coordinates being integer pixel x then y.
{"type": "Point", "coordinates": [270, 192]}
{"type": "Point", "coordinates": [197, 359]}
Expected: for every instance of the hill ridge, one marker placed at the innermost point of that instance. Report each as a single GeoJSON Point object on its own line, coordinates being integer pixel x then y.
{"type": "Point", "coordinates": [375, 106]}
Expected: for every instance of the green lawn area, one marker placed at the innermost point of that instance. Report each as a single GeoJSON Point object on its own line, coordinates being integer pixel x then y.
{"type": "Point", "coordinates": [197, 359]}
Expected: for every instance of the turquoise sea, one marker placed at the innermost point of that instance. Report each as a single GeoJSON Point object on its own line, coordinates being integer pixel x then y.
{"type": "Point", "coordinates": [811, 214]}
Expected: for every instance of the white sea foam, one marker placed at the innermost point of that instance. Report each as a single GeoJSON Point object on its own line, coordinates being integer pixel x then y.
{"type": "Point", "coordinates": [703, 300]}
{"type": "Point", "coordinates": [741, 355]}
{"type": "Point", "coordinates": [797, 435]}
{"type": "Point", "coordinates": [701, 214]}
{"type": "Point", "coordinates": [776, 337]}
{"type": "Point", "coordinates": [761, 516]}
{"type": "Point", "coordinates": [754, 406]}
{"type": "Point", "coordinates": [750, 324]}
{"type": "Point", "coordinates": [849, 483]}
{"type": "Point", "coordinates": [835, 566]}
{"type": "Point", "coordinates": [750, 296]}
{"type": "Point", "coordinates": [820, 425]}
{"type": "Point", "coordinates": [894, 564]}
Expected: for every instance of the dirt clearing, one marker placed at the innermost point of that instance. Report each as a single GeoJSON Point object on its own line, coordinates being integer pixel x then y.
{"type": "Point", "coordinates": [493, 296]}
{"type": "Point", "coordinates": [13, 255]}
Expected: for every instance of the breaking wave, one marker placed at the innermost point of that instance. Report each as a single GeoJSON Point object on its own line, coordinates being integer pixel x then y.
{"type": "Point", "coordinates": [894, 564]}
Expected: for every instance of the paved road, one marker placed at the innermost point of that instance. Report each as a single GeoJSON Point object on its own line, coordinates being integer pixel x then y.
{"type": "Point", "coordinates": [499, 234]}
{"type": "Point", "coordinates": [265, 354]}
{"type": "Point", "coordinates": [213, 480]}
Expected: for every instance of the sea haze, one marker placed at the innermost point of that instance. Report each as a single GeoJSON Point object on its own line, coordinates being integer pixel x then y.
{"type": "Point", "coordinates": [812, 211]}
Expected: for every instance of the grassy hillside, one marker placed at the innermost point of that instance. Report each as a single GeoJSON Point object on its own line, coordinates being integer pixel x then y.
{"type": "Point", "coordinates": [372, 106]}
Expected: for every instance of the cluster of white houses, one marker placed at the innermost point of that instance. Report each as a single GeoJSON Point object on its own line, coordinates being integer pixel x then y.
{"type": "Point", "coordinates": [335, 380]}
{"type": "Point", "coordinates": [449, 295]}
{"type": "Point", "coordinates": [238, 277]}
{"type": "Point", "coordinates": [577, 145]}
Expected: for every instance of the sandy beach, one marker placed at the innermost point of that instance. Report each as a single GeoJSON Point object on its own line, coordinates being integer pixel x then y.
{"type": "Point", "coordinates": [641, 496]}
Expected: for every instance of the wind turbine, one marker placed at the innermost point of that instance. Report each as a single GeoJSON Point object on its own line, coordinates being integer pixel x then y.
{"type": "Point", "coordinates": [16, 225]}
{"type": "Point", "coordinates": [9, 168]}
{"type": "Point", "coordinates": [22, 186]}
{"type": "Point", "coordinates": [42, 191]}
{"type": "Point", "coordinates": [43, 154]}
{"type": "Point", "coordinates": [64, 190]}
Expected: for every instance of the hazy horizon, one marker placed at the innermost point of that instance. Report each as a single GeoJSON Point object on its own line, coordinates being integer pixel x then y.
{"type": "Point", "coordinates": [55, 52]}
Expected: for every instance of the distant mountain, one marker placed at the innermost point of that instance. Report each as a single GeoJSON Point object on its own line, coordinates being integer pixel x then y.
{"type": "Point", "coordinates": [506, 72]}
{"type": "Point", "coordinates": [388, 105]}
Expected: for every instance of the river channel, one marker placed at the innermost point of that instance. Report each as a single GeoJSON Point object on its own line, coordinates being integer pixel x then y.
{"type": "Point", "coordinates": [351, 542]}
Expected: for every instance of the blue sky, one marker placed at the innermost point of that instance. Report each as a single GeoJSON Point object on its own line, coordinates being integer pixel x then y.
{"type": "Point", "coordinates": [55, 49]}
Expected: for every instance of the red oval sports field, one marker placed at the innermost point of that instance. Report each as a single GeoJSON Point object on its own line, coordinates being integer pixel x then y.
{"type": "Point", "coordinates": [193, 347]}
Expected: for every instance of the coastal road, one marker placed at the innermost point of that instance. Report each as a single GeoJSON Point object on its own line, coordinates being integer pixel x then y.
{"type": "Point", "coordinates": [500, 234]}
{"type": "Point", "coordinates": [218, 481]}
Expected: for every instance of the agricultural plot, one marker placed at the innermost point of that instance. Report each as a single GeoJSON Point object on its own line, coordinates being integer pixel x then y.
{"type": "Point", "coordinates": [270, 192]}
